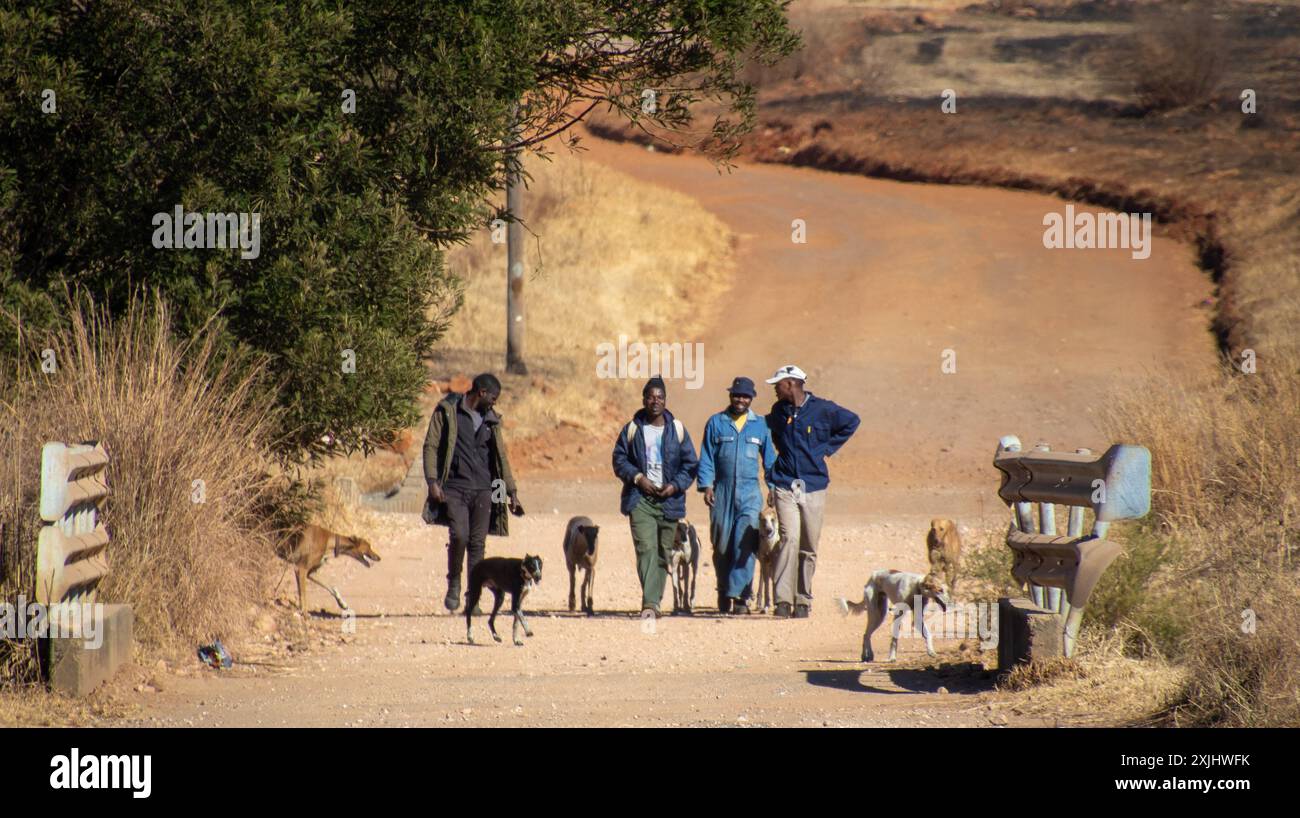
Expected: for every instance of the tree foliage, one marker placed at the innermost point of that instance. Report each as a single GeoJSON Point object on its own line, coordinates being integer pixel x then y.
{"type": "Point", "coordinates": [226, 106]}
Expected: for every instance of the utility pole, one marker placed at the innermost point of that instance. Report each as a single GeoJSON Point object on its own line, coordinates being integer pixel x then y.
{"type": "Point", "coordinates": [514, 277]}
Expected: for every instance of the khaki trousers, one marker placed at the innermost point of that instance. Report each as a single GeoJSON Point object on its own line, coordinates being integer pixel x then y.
{"type": "Point", "coordinates": [800, 516]}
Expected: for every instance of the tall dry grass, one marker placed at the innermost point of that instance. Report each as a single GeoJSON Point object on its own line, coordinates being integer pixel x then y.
{"type": "Point", "coordinates": [1226, 505]}
{"type": "Point", "coordinates": [189, 557]}
{"type": "Point", "coordinates": [607, 255]}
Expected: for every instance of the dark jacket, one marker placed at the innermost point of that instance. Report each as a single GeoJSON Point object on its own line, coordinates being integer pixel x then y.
{"type": "Point", "coordinates": [680, 464]}
{"type": "Point", "coordinates": [471, 463]}
{"type": "Point", "coordinates": [440, 448]}
{"type": "Point", "coordinates": [804, 437]}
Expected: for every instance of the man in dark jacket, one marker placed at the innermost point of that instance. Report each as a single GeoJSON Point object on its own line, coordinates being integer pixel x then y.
{"type": "Point", "coordinates": [806, 430]}
{"type": "Point", "coordinates": [656, 461]}
{"type": "Point", "coordinates": [469, 478]}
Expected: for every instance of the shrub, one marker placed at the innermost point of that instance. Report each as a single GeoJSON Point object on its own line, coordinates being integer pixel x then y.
{"type": "Point", "coordinates": [169, 412]}
{"type": "Point", "coordinates": [1177, 56]}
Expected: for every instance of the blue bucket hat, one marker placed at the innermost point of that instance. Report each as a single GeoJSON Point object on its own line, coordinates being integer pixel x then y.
{"type": "Point", "coordinates": [742, 386]}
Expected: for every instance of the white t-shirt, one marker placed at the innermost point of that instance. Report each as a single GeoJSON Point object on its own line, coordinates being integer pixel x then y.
{"type": "Point", "coordinates": [654, 454]}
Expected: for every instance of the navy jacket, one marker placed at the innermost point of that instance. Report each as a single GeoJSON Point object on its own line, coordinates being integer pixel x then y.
{"type": "Point", "coordinates": [680, 465]}
{"type": "Point", "coordinates": [804, 437]}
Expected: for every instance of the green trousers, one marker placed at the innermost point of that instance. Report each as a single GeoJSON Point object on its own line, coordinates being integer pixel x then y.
{"type": "Point", "coordinates": [652, 536]}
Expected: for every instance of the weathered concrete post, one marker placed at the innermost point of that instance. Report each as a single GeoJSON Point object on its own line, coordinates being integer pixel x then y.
{"type": "Point", "coordinates": [87, 640]}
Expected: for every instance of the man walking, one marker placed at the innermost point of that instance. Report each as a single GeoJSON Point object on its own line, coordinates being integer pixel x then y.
{"type": "Point", "coordinates": [469, 478]}
{"type": "Point", "coordinates": [736, 448]}
{"type": "Point", "coordinates": [806, 430]}
{"type": "Point", "coordinates": [655, 459]}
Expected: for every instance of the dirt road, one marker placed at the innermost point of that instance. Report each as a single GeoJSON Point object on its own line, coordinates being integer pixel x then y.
{"type": "Point", "coordinates": [890, 277]}
{"type": "Point", "coordinates": [894, 274]}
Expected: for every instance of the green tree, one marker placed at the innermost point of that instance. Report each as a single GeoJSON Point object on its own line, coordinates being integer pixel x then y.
{"type": "Point", "coordinates": [226, 106]}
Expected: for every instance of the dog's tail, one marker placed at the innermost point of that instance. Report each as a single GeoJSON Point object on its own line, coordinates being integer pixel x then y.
{"type": "Point", "coordinates": [847, 607]}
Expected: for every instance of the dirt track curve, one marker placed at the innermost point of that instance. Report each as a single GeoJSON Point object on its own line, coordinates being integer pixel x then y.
{"type": "Point", "coordinates": [891, 275]}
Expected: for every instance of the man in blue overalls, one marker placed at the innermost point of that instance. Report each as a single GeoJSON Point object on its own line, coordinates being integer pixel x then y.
{"type": "Point", "coordinates": [737, 448]}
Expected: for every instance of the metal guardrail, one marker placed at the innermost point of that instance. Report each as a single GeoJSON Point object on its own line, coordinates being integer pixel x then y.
{"type": "Point", "coordinates": [71, 552]}
{"type": "Point", "coordinates": [1116, 486]}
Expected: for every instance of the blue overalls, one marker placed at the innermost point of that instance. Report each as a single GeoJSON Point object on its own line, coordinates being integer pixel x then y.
{"type": "Point", "coordinates": [730, 463]}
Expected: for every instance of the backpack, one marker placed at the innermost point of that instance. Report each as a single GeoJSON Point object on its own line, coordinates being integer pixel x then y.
{"type": "Point", "coordinates": [678, 429]}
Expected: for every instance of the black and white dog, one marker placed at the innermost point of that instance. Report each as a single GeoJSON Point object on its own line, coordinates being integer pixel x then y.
{"type": "Point", "coordinates": [684, 566]}
{"type": "Point", "coordinates": [502, 574]}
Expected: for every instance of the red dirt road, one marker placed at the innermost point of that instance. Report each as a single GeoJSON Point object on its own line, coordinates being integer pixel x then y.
{"type": "Point", "coordinates": [891, 275]}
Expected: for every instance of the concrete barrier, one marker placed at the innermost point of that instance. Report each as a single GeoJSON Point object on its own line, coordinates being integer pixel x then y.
{"type": "Point", "coordinates": [1026, 632]}
{"type": "Point", "coordinates": [75, 669]}
{"type": "Point", "coordinates": [71, 561]}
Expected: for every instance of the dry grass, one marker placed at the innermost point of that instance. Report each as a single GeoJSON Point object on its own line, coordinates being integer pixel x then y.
{"type": "Point", "coordinates": [170, 413]}
{"type": "Point", "coordinates": [1224, 451]}
{"type": "Point", "coordinates": [23, 707]}
{"type": "Point", "coordinates": [1226, 502]}
{"type": "Point", "coordinates": [1102, 686]}
{"type": "Point", "coordinates": [609, 255]}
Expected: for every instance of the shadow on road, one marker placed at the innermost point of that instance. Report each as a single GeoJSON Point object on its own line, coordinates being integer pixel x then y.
{"type": "Point", "coordinates": [960, 678]}
{"type": "Point", "coordinates": [850, 680]}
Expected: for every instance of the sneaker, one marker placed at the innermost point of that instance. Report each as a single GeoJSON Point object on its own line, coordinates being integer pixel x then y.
{"type": "Point", "coordinates": [724, 604]}
{"type": "Point", "coordinates": [782, 610]}
{"type": "Point", "coordinates": [739, 607]}
{"type": "Point", "coordinates": [801, 611]}
{"type": "Point", "coordinates": [452, 601]}
{"type": "Point", "coordinates": [649, 613]}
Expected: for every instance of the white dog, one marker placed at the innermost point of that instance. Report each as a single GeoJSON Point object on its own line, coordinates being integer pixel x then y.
{"type": "Point", "coordinates": [888, 588]}
{"type": "Point", "coordinates": [769, 538]}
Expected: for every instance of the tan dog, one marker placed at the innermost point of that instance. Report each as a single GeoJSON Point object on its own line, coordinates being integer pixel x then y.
{"type": "Point", "coordinates": [943, 547]}
{"type": "Point", "coordinates": [769, 539]}
{"type": "Point", "coordinates": [580, 552]}
{"type": "Point", "coordinates": [309, 549]}
{"type": "Point", "coordinates": [684, 566]}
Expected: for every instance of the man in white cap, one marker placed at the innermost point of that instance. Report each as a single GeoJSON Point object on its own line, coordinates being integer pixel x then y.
{"type": "Point", "coordinates": [806, 430]}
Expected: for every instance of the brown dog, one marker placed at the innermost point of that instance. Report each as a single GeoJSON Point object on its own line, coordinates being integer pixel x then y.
{"type": "Point", "coordinates": [943, 547]}
{"type": "Point", "coordinates": [309, 549]}
{"type": "Point", "coordinates": [580, 552]}
{"type": "Point", "coordinates": [769, 539]}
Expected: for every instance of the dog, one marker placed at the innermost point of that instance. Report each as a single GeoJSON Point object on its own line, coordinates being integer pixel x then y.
{"type": "Point", "coordinates": [580, 552]}
{"type": "Point", "coordinates": [943, 547]}
{"type": "Point", "coordinates": [769, 539]}
{"type": "Point", "coordinates": [888, 588]}
{"type": "Point", "coordinates": [311, 547]}
{"type": "Point", "coordinates": [502, 574]}
{"type": "Point", "coordinates": [684, 565]}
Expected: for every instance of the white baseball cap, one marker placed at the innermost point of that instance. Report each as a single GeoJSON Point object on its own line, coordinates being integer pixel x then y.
{"type": "Point", "coordinates": [788, 371]}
